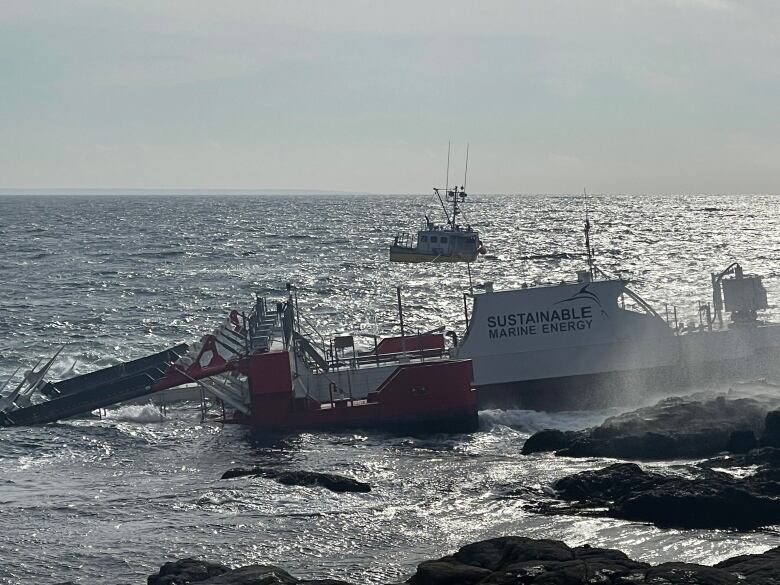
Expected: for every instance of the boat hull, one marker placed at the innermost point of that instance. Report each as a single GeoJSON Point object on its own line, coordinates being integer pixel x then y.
{"type": "Point", "coordinates": [412, 256]}
{"type": "Point", "coordinates": [630, 387]}
{"type": "Point", "coordinates": [576, 346]}
{"type": "Point", "coordinates": [437, 396]}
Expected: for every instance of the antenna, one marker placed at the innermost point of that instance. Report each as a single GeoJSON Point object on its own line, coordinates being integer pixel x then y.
{"type": "Point", "coordinates": [466, 172]}
{"type": "Point", "coordinates": [447, 182]}
{"type": "Point", "coordinates": [587, 235]}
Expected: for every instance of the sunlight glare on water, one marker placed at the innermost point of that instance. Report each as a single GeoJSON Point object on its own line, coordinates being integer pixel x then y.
{"type": "Point", "coordinates": [118, 278]}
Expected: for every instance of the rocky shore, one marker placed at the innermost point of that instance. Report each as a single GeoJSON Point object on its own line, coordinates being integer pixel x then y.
{"type": "Point", "coordinates": [703, 498]}
{"type": "Point", "coordinates": [508, 560]}
{"type": "Point", "coordinates": [689, 427]}
{"type": "Point", "coordinates": [738, 486]}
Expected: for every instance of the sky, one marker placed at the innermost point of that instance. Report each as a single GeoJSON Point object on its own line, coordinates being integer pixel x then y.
{"type": "Point", "coordinates": [620, 96]}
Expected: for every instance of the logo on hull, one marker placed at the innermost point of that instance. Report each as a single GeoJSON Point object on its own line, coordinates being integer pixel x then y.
{"type": "Point", "coordinates": [552, 321]}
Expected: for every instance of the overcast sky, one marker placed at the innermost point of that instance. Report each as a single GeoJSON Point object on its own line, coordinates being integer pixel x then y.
{"type": "Point", "coordinates": [617, 96]}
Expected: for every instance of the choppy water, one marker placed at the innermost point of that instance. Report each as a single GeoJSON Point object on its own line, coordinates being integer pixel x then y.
{"type": "Point", "coordinates": [116, 278]}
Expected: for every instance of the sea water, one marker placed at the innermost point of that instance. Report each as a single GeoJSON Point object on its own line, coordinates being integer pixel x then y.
{"type": "Point", "coordinates": [117, 278]}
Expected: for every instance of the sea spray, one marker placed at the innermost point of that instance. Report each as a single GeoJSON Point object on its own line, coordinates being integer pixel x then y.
{"type": "Point", "coordinates": [533, 420]}
{"type": "Point", "coordinates": [146, 413]}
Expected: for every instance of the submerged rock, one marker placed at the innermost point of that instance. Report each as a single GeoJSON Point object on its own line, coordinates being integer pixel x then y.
{"type": "Point", "coordinates": [186, 571]}
{"type": "Point", "coordinates": [331, 481]}
{"type": "Point", "coordinates": [674, 428]}
{"type": "Point", "coordinates": [710, 499]}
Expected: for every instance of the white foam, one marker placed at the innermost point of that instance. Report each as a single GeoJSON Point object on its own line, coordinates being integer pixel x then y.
{"type": "Point", "coordinates": [533, 420]}
{"type": "Point", "coordinates": [146, 413]}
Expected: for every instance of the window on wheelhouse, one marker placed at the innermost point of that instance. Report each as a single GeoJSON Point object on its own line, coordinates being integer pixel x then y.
{"type": "Point", "coordinates": [423, 238]}
{"type": "Point", "coordinates": [434, 239]}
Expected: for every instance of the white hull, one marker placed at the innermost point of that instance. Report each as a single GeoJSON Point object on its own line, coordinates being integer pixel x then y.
{"type": "Point", "coordinates": [413, 256]}
{"type": "Point", "coordinates": [521, 338]}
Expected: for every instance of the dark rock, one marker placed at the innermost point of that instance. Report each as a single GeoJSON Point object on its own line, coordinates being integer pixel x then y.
{"type": "Point", "coordinates": [331, 481]}
{"type": "Point", "coordinates": [186, 571]}
{"type": "Point", "coordinates": [771, 435]}
{"type": "Point", "coordinates": [253, 575]}
{"type": "Point", "coordinates": [674, 428]}
{"type": "Point", "coordinates": [688, 574]}
{"type": "Point", "coordinates": [711, 500]}
{"type": "Point", "coordinates": [448, 571]}
{"type": "Point", "coordinates": [764, 456]}
{"type": "Point", "coordinates": [548, 440]}
{"type": "Point", "coordinates": [608, 484]}
{"type": "Point", "coordinates": [741, 442]}
{"type": "Point", "coordinates": [524, 561]}
{"type": "Point", "coordinates": [324, 582]}
{"type": "Point", "coordinates": [761, 569]}
{"type": "Point", "coordinates": [607, 561]}
{"type": "Point", "coordinates": [687, 504]}
{"type": "Point", "coordinates": [499, 552]}
{"type": "Point", "coordinates": [515, 560]}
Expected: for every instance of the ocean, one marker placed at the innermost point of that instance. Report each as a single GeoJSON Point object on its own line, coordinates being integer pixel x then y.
{"type": "Point", "coordinates": [115, 278]}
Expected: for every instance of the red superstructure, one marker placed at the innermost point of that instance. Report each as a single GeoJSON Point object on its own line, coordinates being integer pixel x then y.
{"type": "Point", "coordinates": [270, 376]}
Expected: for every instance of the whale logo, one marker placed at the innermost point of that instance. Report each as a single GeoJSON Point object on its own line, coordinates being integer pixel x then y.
{"type": "Point", "coordinates": [585, 295]}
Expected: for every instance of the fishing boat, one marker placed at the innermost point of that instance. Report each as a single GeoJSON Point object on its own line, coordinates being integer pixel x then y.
{"type": "Point", "coordinates": [269, 371]}
{"type": "Point", "coordinates": [447, 242]}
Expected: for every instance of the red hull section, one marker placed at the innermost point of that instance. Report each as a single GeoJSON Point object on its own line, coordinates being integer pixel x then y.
{"type": "Point", "coordinates": [432, 396]}
{"type": "Point", "coordinates": [410, 343]}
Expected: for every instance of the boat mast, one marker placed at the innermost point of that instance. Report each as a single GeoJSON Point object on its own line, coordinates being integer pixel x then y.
{"type": "Point", "coordinates": [466, 172]}
{"type": "Point", "coordinates": [446, 187]}
{"type": "Point", "coordinates": [447, 181]}
{"type": "Point", "coordinates": [588, 249]}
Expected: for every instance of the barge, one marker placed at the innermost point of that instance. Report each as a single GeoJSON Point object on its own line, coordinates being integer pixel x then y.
{"type": "Point", "coordinates": [266, 372]}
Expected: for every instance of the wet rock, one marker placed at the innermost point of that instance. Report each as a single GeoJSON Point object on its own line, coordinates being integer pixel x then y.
{"type": "Point", "coordinates": [324, 582]}
{"type": "Point", "coordinates": [186, 571]}
{"type": "Point", "coordinates": [771, 434]}
{"type": "Point", "coordinates": [710, 500]}
{"type": "Point", "coordinates": [517, 560]}
{"type": "Point", "coordinates": [674, 428]}
{"type": "Point", "coordinates": [448, 571]}
{"type": "Point", "coordinates": [548, 440]}
{"type": "Point", "coordinates": [688, 574]}
{"type": "Point", "coordinates": [758, 569]}
{"type": "Point", "coordinates": [763, 456]}
{"type": "Point", "coordinates": [606, 485]}
{"type": "Point", "coordinates": [741, 442]}
{"type": "Point", "coordinates": [254, 575]}
{"type": "Point", "coordinates": [331, 481]}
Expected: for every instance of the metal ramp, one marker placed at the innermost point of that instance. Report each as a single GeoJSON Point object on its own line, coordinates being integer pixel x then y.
{"type": "Point", "coordinates": [99, 389]}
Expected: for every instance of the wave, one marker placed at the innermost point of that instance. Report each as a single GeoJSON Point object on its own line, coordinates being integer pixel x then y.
{"type": "Point", "coordinates": [533, 420]}
{"type": "Point", "coordinates": [146, 413]}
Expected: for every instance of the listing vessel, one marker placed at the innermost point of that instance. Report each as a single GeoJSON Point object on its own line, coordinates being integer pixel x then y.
{"type": "Point", "coordinates": [596, 342]}
{"type": "Point", "coordinates": [265, 369]}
